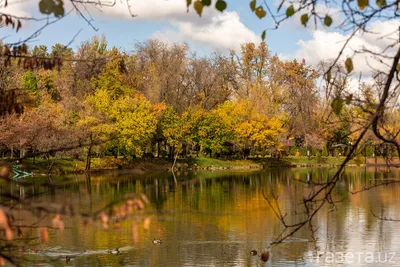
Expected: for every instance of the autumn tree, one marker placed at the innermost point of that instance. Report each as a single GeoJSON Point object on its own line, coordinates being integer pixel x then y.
{"type": "Point", "coordinates": [251, 127]}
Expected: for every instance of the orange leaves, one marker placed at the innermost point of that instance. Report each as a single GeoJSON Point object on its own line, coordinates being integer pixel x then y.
{"type": "Point", "coordinates": [146, 224]}
{"type": "Point", "coordinates": [120, 212]}
{"type": "Point", "coordinates": [57, 222]}
{"type": "Point", "coordinates": [104, 218]}
{"type": "Point", "coordinates": [4, 224]}
{"type": "Point", "coordinates": [138, 204]}
{"type": "Point", "coordinates": [144, 198]}
{"type": "Point", "coordinates": [43, 234]}
{"type": "Point", "coordinates": [159, 108]}
{"type": "Point", "coordinates": [135, 233]}
{"type": "Point", "coordinates": [5, 172]}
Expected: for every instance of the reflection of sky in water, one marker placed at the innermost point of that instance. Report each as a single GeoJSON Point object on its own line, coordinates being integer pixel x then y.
{"type": "Point", "coordinates": [216, 219]}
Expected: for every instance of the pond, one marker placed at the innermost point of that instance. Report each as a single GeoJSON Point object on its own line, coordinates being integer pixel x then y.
{"type": "Point", "coordinates": [211, 219]}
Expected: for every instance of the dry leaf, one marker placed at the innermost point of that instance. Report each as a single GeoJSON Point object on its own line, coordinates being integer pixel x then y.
{"type": "Point", "coordinates": [43, 234]}
{"type": "Point", "coordinates": [145, 199]}
{"type": "Point", "coordinates": [4, 224]}
{"type": "Point", "coordinates": [139, 204]}
{"type": "Point", "coordinates": [146, 223]}
{"type": "Point", "coordinates": [9, 234]}
{"type": "Point", "coordinates": [58, 222]}
{"type": "Point", "coordinates": [104, 217]}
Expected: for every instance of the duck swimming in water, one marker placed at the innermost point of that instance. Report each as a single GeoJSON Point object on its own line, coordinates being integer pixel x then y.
{"type": "Point", "coordinates": [253, 252]}
{"type": "Point", "coordinates": [114, 251]}
{"type": "Point", "coordinates": [157, 241]}
{"type": "Point", "coordinates": [67, 259]}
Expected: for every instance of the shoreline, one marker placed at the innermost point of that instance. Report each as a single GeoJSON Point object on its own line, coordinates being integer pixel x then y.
{"type": "Point", "coordinates": [143, 166]}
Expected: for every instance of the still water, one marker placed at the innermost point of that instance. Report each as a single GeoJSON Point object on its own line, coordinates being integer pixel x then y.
{"type": "Point", "coordinates": [213, 219]}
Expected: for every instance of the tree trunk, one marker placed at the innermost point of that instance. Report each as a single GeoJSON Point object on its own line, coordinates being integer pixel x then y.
{"type": "Point", "coordinates": [173, 165]}
{"type": "Point", "coordinates": [171, 152]}
{"type": "Point", "coordinates": [89, 154]}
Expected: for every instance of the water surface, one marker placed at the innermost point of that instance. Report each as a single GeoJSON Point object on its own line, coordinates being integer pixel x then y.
{"type": "Point", "coordinates": [216, 219]}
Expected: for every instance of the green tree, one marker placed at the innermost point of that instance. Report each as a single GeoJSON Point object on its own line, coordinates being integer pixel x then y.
{"type": "Point", "coordinates": [29, 82]}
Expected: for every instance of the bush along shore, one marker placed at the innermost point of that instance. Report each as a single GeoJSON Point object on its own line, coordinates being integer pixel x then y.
{"type": "Point", "coordinates": [142, 166]}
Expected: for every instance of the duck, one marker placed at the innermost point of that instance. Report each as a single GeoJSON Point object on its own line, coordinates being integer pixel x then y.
{"type": "Point", "coordinates": [265, 256]}
{"type": "Point", "coordinates": [67, 259]}
{"type": "Point", "coordinates": [114, 251]}
{"type": "Point", "coordinates": [157, 241]}
{"type": "Point", "coordinates": [253, 252]}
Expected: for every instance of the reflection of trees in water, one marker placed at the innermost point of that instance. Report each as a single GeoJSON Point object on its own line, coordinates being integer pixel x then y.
{"type": "Point", "coordinates": [227, 209]}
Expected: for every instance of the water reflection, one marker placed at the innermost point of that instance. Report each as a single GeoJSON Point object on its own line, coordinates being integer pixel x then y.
{"type": "Point", "coordinates": [210, 219]}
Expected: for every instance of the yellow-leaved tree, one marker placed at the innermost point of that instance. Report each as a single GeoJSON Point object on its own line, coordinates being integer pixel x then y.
{"type": "Point", "coordinates": [250, 127]}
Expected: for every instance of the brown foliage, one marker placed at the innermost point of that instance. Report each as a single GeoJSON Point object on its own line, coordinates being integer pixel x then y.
{"type": "Point", "coordinates": [4, 224]}
{"type": "Point", "coordinates": [43, 234]}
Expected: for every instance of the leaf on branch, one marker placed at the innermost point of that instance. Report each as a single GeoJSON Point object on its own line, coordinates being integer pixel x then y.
{"type": "Point", "coordinates": [263, 35]}
{"type": "Point", "coordinates": [19, 25]}
{"type": "Point", "coordinates": [328, 76]}
{"type": "Point", "coordinates": [337, 105]}
{"type": "Point", "coordinates": [58, 222]}
{"type": "Point", "coordinates": [381, 3]}
{"type": "Point", "coordinates": [398, 68]}
{"type": "Point", "coordinates": [328, 21]}
{"type": "Point", "coordinates": [198, 6]}
{"type": "Point", "coordinates": [304, 19]}
{"type": "Point", "coordinates": [290, 11]}
{"type": "Point", "coordinates": [58, 11]}
{"type": "Point", "coordinates": [349, 65]}
{"type": "Point", "coordinates": [362, 4]}
{"type": "Point", "coordinates": [206, 2]}
{"type": "Point", "coordinates": [220, 5]}
{"type": "Point", "coordinates": [46, 6]}
{"type": "Point", "coordinates": [49, 6]}
{"type": "Point", "coordinates": [43, 234]}
{"type": "Point", "coordinates": [260, 12]}
{"type": "Point", "coordinates": [146, 223]}
{"type": "Point", "coordinates": [4, 224]}
{"type": "Point", "coordinates": [144, 198]}
{"type": "Point", "coordinates": [188, 3]}
{"type": "Point", "coordinates": [253, 5]}
{"type": "Point", "coordinates": [139, 204]}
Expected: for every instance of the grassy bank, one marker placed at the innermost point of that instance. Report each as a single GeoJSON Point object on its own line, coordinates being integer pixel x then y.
{"type": "Point", "coordinates": [69, 165]}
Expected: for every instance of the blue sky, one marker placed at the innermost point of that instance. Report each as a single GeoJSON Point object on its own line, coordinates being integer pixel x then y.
{"type": "Point", "coordinates": [168, 21]}
{"type": "Point", "coordinates": [123, 32]}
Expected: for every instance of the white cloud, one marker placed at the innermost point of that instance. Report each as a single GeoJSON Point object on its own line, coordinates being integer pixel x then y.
{"type": "Point", "coordinates": [326, 45]}
{"type": "Point", "coordinates": [224, 31]}
{"type": "Point", "coordinates": [218, 30]}
{"type": "Point", "coordinates": [144, 10]}
{"type": "Point", "coordinates": [17, 8]}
